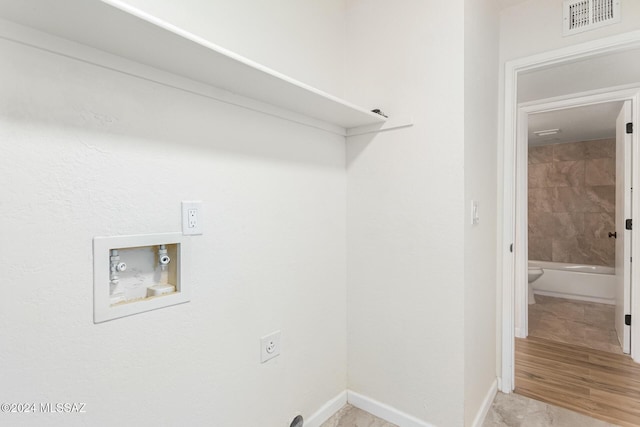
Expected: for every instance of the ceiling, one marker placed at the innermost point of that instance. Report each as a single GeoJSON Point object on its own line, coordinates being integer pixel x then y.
{"type": "Point", "coordinates": [600, 71]}
{"type": "Point", "coordinates": [582, 123]}
{"type": "Point", "coordinates": [586, 123]}
{"type": "Point", "coordinates": [577, 78]}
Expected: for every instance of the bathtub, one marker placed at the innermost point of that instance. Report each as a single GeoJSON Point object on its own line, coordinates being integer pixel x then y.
{"type": "Point", "coordinates": [576, 281]}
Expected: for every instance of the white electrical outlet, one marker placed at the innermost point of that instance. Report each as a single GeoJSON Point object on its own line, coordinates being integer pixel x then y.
{"type": "Point", "coordinates": [192, 217]}
{"type": "Point", "coordinates": [269, 346]}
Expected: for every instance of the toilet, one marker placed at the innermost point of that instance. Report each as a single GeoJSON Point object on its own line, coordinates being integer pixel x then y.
{"type": "Point", "coordinates": [534, 274]}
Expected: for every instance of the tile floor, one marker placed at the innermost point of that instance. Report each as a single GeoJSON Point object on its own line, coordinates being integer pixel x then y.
{"type": "Point", "coordinates": [581, 323]}
{"type": "Point", "coordinates": [507, 410]}
{"type": "Point", "coordinates": [572, 322]}
{"type": "Point", "coordinates": [513, 410]}
{"type": "Point", "coordinates": [350, 416]}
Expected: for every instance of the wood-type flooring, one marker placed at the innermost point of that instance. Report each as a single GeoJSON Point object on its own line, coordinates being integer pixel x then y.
{"type": "Point", "coordinates": [600, 384]}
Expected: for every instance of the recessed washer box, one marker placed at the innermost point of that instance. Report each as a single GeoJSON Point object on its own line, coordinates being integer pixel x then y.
{"type": "Point", "coordinates": [138, 273]}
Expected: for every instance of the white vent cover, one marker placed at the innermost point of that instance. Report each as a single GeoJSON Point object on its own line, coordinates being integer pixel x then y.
{"type": "Point", "coordinates": [583, 15]}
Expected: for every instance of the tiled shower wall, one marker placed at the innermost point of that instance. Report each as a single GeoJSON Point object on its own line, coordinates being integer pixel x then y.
{"type": "Point", "coordinates": [572, 202]}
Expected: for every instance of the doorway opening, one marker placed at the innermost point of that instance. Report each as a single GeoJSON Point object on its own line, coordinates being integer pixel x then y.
{"type": "Point", "coordinates": [514, 233]}
{"type": "Point", "coordinates": [562, 373]}
{"type": "Point", "coordinates": [578, 196]}
{"type": "Point", "coordinates": [574, 181]}
{"type": "Point", "coordinates": [573, 199]}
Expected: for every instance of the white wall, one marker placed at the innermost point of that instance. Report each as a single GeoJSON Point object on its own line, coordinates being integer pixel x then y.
{"type": "Point", "coordinates": [89, 152]}
{"type": "Point", "coordinates": [535, 26]}
{"type": "Point", "coordinates": [302, 39]}
{"type": "Point", "coordinates": [406, 209]}
{"type": "Point", "coordinates": [480, 182]}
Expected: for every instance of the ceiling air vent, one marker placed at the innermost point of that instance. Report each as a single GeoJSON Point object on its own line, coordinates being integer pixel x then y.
{"type": "Point", "coordinates": [583, 15]}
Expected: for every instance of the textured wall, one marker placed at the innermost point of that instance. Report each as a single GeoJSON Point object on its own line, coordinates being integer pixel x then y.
{"type": "Point", "coordinates": [572, 202]}
{"type": "Point", "coordinates": [480, 182]}
{"type": "Point", "coordinates": [88, 152]}
{"type": "Point", "coordinates": [405, 252]}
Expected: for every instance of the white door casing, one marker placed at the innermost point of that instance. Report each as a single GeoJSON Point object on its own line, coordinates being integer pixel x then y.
{"type": "Point", "coordinates": [631, 96]}
{"type": "Point", "coordinates": [521, 277]}
{"type": "Point", "coordinates": [623, 239]}
{"type": "Point", "coordinates": [508, 136]}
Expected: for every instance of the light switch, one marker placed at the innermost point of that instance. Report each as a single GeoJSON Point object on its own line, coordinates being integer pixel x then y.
{"type": "Point", "coordinates": [475, 218]}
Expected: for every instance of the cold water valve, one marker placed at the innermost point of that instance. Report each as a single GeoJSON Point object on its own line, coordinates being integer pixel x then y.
{"type": "Point", "coordinates": [163, 258]}
{"type": "Point", "coordinates": [162, 288]}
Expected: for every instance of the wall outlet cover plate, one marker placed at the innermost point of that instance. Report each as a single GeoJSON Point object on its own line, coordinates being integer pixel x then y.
{"type": "Point", "coordinates": [192, 218]}
{"type": "Point", "coordinates": [270, 346]}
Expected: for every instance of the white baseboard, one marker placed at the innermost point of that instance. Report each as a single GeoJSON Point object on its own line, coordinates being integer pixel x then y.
{"type": "Point", "coordinates": [486, 405]}
{"type": "Point", "coordinates": [327, 410]}
{"type": "Point", "coordinates": [383, 411]}
{"type": "Point", "coordinates": [387, 412]}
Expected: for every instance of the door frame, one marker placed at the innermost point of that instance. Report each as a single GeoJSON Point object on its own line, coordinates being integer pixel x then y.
{"type": "Point", "coordinates": [507, 258]}
{"type": "Point", "coordinates": [601, 96]}
{"type": "Point", "coordinates": [624, 195]}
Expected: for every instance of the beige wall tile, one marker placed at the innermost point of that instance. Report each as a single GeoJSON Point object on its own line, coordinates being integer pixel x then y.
{"type": "Point", "coordinates": [541, 199]}
{"type": "Point", "coordinates": [600, 172]}
{"type": "Point", "coordinates": [542, 224]}
{"type": "Point", "coordinates": [601, 148]}
{"type": "Point", "coordinates": [540, 248]}
{"type": "Point", "coordinates": [567, 174]}
{"type": "Point", "coordinates": [541, 154]}
{"type": "Point", "coordinates": [584, 251]}
{"type": "Point", "coordinates": [572, 250]}
{"type": "Point", "coordinates": [568, 224]}
{"type": "Point", "coordinates": [570, 199]}
{"type": "Point", "coordinates": [598, 225]}
{"type": "Point", "coordinates": [601, 251]}
{"type": "Point", "coordinates": [569, 151]}
{"type": "Point", "coordinates": [540, 175]}
{"type": "Point", "coordinates": [572, 202]}
{"type": "Point", "coordinates": [601, 198]}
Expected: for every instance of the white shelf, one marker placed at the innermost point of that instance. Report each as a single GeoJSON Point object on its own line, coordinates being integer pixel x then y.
{"type": "Point", "coordinates": [390, 124]}
{"type": "Point", "coordinates": [115, 28]}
